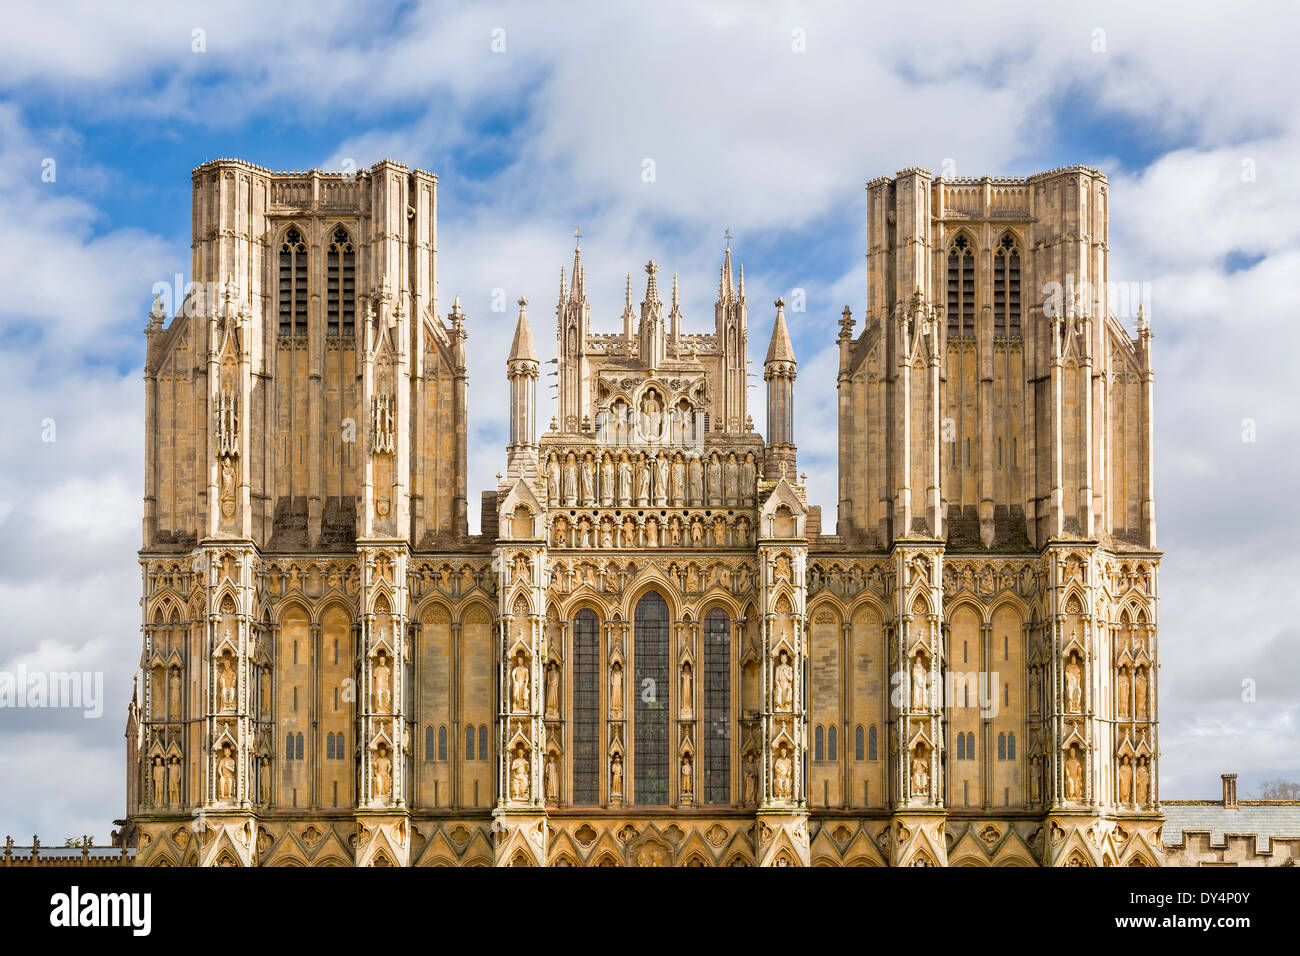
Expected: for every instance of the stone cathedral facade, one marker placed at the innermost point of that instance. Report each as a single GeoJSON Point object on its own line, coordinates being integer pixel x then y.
{"type": "Point", "coordinates": [653, 654]}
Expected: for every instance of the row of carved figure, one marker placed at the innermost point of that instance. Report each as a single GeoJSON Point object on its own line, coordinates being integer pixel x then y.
{"type": "Point", "coordinates": [1131, 689]}
{"type": "Point", "coordinates": [521, 775]}
{"type": "Point", "coordinates": [1131, 775]}
{"type": "Point", "coordinates": [636, 479]}
{"type": "Point", "coordinates": [520, 686]}
{"type": "Point", "coordinates": [651, 531]}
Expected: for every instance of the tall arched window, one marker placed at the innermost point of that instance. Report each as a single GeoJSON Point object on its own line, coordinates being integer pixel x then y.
{"type": "Point", "coordinates": [857, 743]}
{"type": "Point", "coordinates": [442, 742]}
{"type": "Point", "coordinates": [819, 743]}
{"type": "Point", "coordinates": [961, 288]}
{"type": "Point", "coordinates": [1006, 287]}
{"type": "Point", "coordinates": [288, 747]}
{"type": "Point", "coordinates": [1011, 746]}
{"type": "Point", "coordinates": [469, 742]}
{"type": "Point", "coordinates": [970, 746]}
{"type": "Point", "coordinates": [1002, 746]}
{"type": "Point", "coordinates": [871, 743]}
{"type": "Point", "coordinates": [832, 750]}
{"type": "Point", "coordinates": [341, 283]}
{"type": "Point", "coordinates": [293, 283]}
{"type": "Point", "coordinates": [961, 746]}
{"type": "Point", "coordinates": [329, 746]}
{"type": "Point", "coordinates": [297, 754]}
{"type": "Point", "coordinates": [586, 708]}
{"type": "Point", "coordinates": [430, 749]}
{"type": "Point", "coordinates": [651, 712]}
{"type": "Point", "coordinates": [717, 707]}
{"type": "Point", "coordinates": [482, 742]}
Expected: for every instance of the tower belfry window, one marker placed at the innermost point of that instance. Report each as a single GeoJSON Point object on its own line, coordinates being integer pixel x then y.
{"type": "Point", "coordinates": [961, 288]}
{"type": "Point", "coordinates": [341, 284]}
{"type": "Point", "coordinates": [293, 283]}
{"type": "Point", "coordinates": [1006, 287]}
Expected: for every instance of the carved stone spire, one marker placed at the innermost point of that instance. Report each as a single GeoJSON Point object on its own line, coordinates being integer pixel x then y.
{"type": "Point", "coordinates": [628, 316]}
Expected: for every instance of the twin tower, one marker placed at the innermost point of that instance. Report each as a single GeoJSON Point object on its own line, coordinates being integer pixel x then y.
{"type": "Point", "coordinates": [652, 654]}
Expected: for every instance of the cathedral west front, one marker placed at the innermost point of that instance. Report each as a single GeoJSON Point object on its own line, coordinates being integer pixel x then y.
{"type": "Point", "coordinates": [654, 653]}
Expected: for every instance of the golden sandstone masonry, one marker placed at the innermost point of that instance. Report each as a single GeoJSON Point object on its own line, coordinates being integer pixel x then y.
{"type": "Point", "coordinates": [652, 655]}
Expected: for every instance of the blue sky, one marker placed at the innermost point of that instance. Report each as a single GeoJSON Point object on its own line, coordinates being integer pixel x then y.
{"type": "Point", "coordinates": [765, 119]}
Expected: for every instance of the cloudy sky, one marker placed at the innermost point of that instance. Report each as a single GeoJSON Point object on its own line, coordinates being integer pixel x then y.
{"type": "Point", "coordinates": [764, 119]}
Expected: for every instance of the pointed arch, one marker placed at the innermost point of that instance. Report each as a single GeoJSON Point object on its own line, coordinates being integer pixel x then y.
{"type": "Point", "coordinates": [585, 655]}
{"type": "Point", "coordinates": [653, 694]}
{"type": "Point", "coordinates": [292, 288]}
{"type": "Point", "coordinates": [961, 285]}
{"type": "Point", "coordinates": [340, 282]}
{"type": "Point", "coordinates": [1007, 258]}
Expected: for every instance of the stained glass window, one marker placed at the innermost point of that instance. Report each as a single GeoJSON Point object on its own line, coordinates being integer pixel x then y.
{"type": "Point", "coordinates": [651, 711]}
{"type": "Point", "coordinates": [586, 708]}
{"type": "Point", "coordinates": [717, 707]}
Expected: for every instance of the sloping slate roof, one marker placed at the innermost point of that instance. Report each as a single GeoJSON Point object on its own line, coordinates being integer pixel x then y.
{"type": "Point", "coordinates": [1266, 820]}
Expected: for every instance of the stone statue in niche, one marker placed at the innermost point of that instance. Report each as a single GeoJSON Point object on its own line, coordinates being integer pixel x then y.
{"type": "Point", "coordinates": [751, 779]}
{"type": "Point", "coordinates": [733, 479]}
{"type": "Point", "coordinates": [570, 480]}
{"type": "Point", "coordinates": [616, 777]}
{"type": "Point", "coordinates": [688, 776]}
{"type": "Point", "coordinates": [174, 692]}
{"type": "Point", "coordinates": [1143, 782]}
{"type": "Point", "coordinates": [688, 689]}
{"type": "Point", "coordinates": [174, 782]}
{"type": "Point", "coordinates": [1140, 691]}
{"type": "Point", "coordinates": [519, 684]}
{"type": "Point", "coordinates": [264, 780]}
{"type": "Point", "coordinates": [674, 531]}
{"type": "Point", "coordinates": [584, 532]}
{"type": "Point", "coordinates": [553, 479]}
{"type": "Point", "coordinates": [651, 532]}
{"type": "Point", "coordinates": [552, 779]}
{"type": "Point", "coordinates": [629, 531]}
{"type": "Point", "coordinates": [159, 792]}
{"type": "Point", "coordinates": [696, 477]}
{"type": "Point", "coordinates": [782, 773]}
{"type": "Point", "coordinates": [643, 481]}
{"type": "Point", "coordinates": [747, 474]}
{"type": "Point", "coordinates": [1073, 777]}
{"type": "Point", "coordinates": [920, 774]}
{"type": "Point", "coordinates": [715, 480]}
{"type": "Point", "coordinates": [606, 481]}
{"type": "Point", "coordinates": [1126, 781]}
{"type": "Point", "coordinates": [783, 682]}
{"type": "Point", "coordinates": [1073, 686]}
{"type": "Point", "coordinates": [679, 481]}
{"type": "Point", "coordinates": [382, 678]}
{"type": "Point", "coordinates": [226, 684]}
{"type": "Point", "coordinates": [1123, 688]}
{"type": "Point", "coordinates": [553, 690]}
{"type": "Point", "coordinates": [616, 690]}
{"type": "Point", "coordinates": [624, 479]}
{"type": "Point", "coordinates": [381, 773]}
{"type": "Point", "coordinates": [920, 680]}
{"type": "Point", "coordinates": [606, 533]}
{"type": "Point", "coordinates": [588, 481]}
{"type": "Point", "coordinates": [661, 480]}
{"type": "Point", "coordinates": [225, 773]}
{"type": "Point", "coordinates": [519, 775]}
